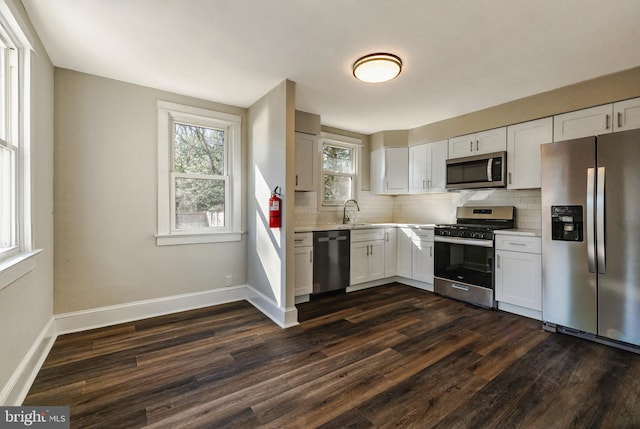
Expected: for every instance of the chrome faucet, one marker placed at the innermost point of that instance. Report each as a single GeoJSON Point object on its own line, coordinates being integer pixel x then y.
{"type": "Point", "coordinates": [345, 217]}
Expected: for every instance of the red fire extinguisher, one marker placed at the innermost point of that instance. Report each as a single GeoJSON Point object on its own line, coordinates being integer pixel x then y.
{"type": "Point", "coordinates": [275, 209]}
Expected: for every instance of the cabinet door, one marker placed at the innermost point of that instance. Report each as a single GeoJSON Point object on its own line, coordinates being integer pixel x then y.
{"type": "Point", "coordinates": [396, 170]}
{"type": "Point", "coordinates": [626, 115]}
{"type": "Point", "coordinates": [583, 123]}
{"type": "Point", "coordinates": [418, 169]}
{"type": "Point", "coordinates": [376, 171]}
{"type": "Point", "coordinates": [305, 162]}
{"type": "Point", "coordinates": [358, 263]}
{"type": "Point", "coordinates": [304, 270]}
{"type": "Point", "coordinates": [422, 261]}
{"type": "Point", "coordinates": [491, 141]}
{"type": "Point", "coordinates": [518, 279]}
{"type": "Point", "coordinates": [438, 163]}
{"type": "Point", "coordinates": [375, 261]}
{"type": "Point", "coordinates": [390, 252]}
{"type": "Point", "coordinates": [462, 146]}
{"type": "Point", "coordinates": [404, 252]}
{"type": "Point", "coordinates": [523, 152]}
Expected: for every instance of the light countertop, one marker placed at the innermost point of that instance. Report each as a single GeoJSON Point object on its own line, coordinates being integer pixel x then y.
{"type": "Point", "coordinates": [329, 227]}
{"type": "Point", "coordinates": [525, 232]}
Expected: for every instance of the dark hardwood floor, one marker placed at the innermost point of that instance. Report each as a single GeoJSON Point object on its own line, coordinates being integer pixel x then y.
{"type": "Point", "coordinates": [392, 356]}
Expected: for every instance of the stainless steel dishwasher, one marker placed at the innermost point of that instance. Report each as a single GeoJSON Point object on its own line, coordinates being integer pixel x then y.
{"type": "Point", "coordinates": [331, 257]}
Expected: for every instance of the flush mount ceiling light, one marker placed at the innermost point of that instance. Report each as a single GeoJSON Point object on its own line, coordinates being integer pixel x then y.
{"type": "Point", "coordinates": [376, 68]}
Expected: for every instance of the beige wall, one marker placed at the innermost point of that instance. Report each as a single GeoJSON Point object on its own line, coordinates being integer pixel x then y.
{"type": "Point", "coordinates": [106, 200]}
{"type": "Point", "coordinates": [602, 90]}
{"type": "Point", "coordinates": [26, 306]}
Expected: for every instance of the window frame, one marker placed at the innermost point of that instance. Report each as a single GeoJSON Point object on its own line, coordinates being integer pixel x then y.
{"type": "Point", "coordinates": [168, 234]}
{"type": "Point", "coordinates": [335, 140]}
{"type": "Point", "coordinates": [17, 260]}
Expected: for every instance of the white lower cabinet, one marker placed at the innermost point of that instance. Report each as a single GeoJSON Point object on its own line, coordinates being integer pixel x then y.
{"type": "Point", "coordinates": [415, 254]}
{"type": "Point", "coordinates": [367, 255]}
{"type": "Point", "coordinates": [390, 252]}
{"type": "Point", "coordinates": [518, 271]}
{"type": "Point", "coordinates": [303, 251]}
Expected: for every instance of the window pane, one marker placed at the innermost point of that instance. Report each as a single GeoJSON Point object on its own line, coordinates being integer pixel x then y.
{"type": "Point", "coordinates": [336, 188]}
{"type": "Point", "coordinates": [199, 203]}
{"type": "Point", "coordinates": [6, 198]}
{"type": "Point", "coordinates": [198, 150]}
{"type": "Point", "coordinates": [337, 159]}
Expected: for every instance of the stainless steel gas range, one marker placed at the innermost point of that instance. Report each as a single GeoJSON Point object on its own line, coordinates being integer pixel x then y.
{"type": "Point", "coordinates": [464, 253]}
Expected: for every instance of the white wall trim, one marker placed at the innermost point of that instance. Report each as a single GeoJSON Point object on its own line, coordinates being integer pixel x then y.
{"type": "Point", "coordinates": [283, 317]}
{"type": "Point", "coordinates": [16, 389]}
{"type": "Point", "coordinates": [112, 315]}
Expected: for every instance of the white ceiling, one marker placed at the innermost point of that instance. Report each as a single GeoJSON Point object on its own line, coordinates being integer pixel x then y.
{"type": "Point", "coordinates": [459, 55]}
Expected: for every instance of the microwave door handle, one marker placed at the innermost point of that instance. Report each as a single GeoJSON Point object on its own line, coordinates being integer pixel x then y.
{"type": "Point", "coordinates": [489, 169]}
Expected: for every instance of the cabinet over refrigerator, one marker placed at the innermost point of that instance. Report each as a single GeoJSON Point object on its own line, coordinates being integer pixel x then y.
{"type": "Point", "coordinates": [591, 238]}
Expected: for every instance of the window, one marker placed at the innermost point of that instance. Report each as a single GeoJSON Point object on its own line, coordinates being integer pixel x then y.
{"type": "Point", "coordinates": [199, 175]}
{"type": "Point", "coordinates": [339, 160]}
{"type": "Point", "coordinates": [14, 219]}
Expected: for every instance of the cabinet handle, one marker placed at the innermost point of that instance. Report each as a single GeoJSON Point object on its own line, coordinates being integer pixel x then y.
{"type": "Point", "coordinates": [367, 250]}
{"type": "Point", "coordinates": [386, 236]}
{"type": "Point", "coordinates": [311, 257]}
{"type": "Point", "coordinates": [296, 180]}
{"type": "Point", "coordinates": [606, 122]}
{"type": "Point", "coordinates": [424, 184]}
{"type": "Point", "coordinates": [429, 184]}
{"type": "Point", "coordinates": [513, 243]}
{"type": "Point", "coordinates": [431, 251]}
{"type": "Point", "coordinates": [471, 146]}
{"type": "Point", "coordinates": [477, 145]}
{"type": "Point", "coordinates": [371, 249]}
{"type": "Point", "coordinates": [509, 178]}
{"type": "Point", "coordinates": [619, 119]}
{"type": "Point", "coordinates": [498, 261]}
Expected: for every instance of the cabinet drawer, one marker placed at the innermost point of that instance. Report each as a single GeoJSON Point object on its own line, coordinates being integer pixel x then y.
{"type": "Point", "coordinates": [302, 239]}
{"type": "Point", "coordinates": [423, 234]}
{"type": "Point", "coordinates": [367, 234]}
{"type": "Point", "coordinates": [517, 243]}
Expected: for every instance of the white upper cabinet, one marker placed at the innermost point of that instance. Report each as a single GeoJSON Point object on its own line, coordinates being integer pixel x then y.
{"type": "Point", "coordinates": [427, 167]}
{"type": "Point", "coordinates": [626, 115]}
{"type": "Point", "coordinates": [306, 162]}
{"type": "Point", "coordinates": [489, 141]}
{"type": "Point", "coordinates": [390, 170]}
{"type": "Point", "coordinates": [523, 152]}
{"type": "Point", "coordinates": [583, 123]}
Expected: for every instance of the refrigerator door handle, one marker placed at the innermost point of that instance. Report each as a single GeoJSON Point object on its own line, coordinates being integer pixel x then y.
{"type": "Point", "coordinates": [602, 267]}
{"type": "Point", "coordinates": [590, 221]}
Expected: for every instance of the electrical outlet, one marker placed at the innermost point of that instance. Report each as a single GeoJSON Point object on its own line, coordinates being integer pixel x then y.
{"type": "Point", "coordinates": [228, 280]}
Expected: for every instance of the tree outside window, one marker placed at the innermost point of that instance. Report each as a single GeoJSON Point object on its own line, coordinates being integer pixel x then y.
{"type": "Point", "coordinates": [338, 173]}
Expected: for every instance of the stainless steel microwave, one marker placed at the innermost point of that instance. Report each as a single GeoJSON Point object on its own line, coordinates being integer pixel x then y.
{"type": "Point", "coordinates": [479, 171]}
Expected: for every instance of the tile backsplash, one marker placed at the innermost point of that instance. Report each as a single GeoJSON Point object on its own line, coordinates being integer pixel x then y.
{"type": "Point", "coordinates": [428, 208]}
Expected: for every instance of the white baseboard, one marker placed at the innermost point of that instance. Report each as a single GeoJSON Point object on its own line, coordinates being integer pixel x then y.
{"type": "Point", "coordinates": [386, 281]}
{"type": "Point", "coordinates": [16, 389]}
{"type": "Point", "coordinates": [112, 315]}
{"type": "Point", "coordinates": [520, 311]}
{"type": "Point", "coordinates": [283, 317]}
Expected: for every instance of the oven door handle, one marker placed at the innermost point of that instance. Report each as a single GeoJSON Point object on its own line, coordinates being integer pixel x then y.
{"type": "Point", "coordinates": [463, 241]}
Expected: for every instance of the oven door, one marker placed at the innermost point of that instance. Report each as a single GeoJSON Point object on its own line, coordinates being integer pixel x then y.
{"type": "Point", "coordinates": [463, 269]}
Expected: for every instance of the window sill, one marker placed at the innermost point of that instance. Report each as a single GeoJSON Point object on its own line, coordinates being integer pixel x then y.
{"type": "Point", "coordinates": [215, 237]}
{"type": "Point", "coordinates": [14, 268]}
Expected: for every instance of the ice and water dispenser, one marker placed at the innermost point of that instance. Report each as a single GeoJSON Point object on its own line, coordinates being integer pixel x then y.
{"type": "Point", "coordinates": [566, 223]}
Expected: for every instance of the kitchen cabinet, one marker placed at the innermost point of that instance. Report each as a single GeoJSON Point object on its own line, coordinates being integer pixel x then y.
{"type": "Point", "coordinates": [390, 170]}
{"type": "Point", "coordinates": [306, 168]}
{"type": "Point", "coordinates": [422, 256]}
{"type": "Point", "coordinates": [427, 167]}
{"type": "Point", "coordinates": [619, 116]}
{"type": "Point", "coordinates": [489, 141]}
{"type": "Point", "coordinates": [523, 152]}
{"type": "Point", "coordinates": [404, 244]}
{"type": "Point", "coordinates": [390, 252]}
{"type": "Point", "coordinates": [518, 274]}
{"type": "Point", "coordinates": [367, 255]}
{"type": "Point", "coordinates": [415, 254]}
{"type": "Point", "coordinates": [303, 265]}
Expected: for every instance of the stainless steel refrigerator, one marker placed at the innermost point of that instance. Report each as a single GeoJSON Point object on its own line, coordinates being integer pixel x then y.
{"type": "Point", "coordinates": [591, 236]}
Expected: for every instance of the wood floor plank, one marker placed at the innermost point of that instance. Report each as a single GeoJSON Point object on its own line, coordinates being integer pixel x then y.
{"type": "Point", "coordinates": [390, 356]}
